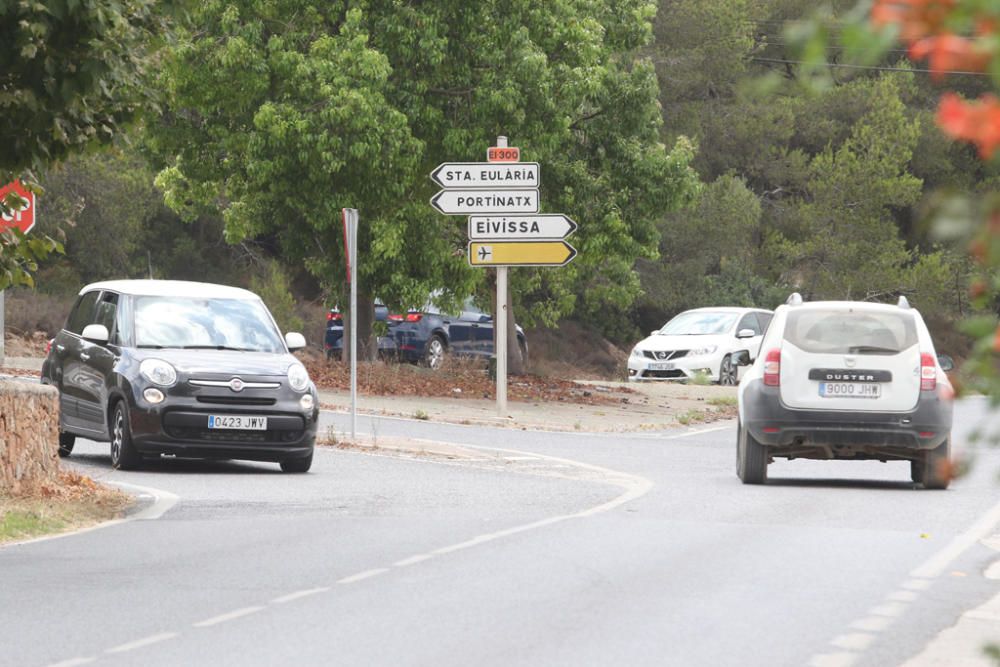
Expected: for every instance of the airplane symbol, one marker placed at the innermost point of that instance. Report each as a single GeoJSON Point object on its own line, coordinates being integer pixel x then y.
{"type": "Point", "coordinates": [485, 252]}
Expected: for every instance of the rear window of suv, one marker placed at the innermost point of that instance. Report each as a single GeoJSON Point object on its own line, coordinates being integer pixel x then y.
{"type": "Point", "coordinates": [848, 331]}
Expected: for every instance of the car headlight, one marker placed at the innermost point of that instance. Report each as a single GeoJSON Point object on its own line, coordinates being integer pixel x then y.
{"type": "Point", "coordinates": [298, 377]}
{"type": "Point", "coordinates": [636, 352]}
{"type": "Point", "coordinates": [158, 372]}
{"type": "Point", "coordinates": [708, 349]}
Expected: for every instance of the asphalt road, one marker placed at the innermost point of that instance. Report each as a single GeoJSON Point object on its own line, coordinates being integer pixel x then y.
{"type": "Point", "coordinates": [550, 549]}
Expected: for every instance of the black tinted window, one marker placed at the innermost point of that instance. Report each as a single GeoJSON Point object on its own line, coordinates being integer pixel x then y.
{"type": "Point", "coordinates": [82, 313]}
{"type": "Point", "coordinates": [749, 321]}
{"type": "Point", "coordinates": [106, 310]}
{"type": "Point", "coordinates": [850, 331]}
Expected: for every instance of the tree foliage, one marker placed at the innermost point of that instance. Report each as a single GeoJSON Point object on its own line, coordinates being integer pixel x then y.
{"type": "Point", "coordinates": [282, 112]}
{"type": "Point", "coordinates": [71, 74]}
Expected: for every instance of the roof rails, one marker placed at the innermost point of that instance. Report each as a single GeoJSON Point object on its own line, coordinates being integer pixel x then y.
{"type": "Point", "coordinates": [903, 303]}
{"type": "Point", "coordinates": [794, 299]}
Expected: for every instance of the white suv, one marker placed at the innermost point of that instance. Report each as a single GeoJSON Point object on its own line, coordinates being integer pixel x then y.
{"type": "Point", "coordinates": [846, 380]}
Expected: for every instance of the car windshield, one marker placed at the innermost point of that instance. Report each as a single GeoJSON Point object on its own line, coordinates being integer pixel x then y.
{"type": "Point", "coordinates": [695, 323]}
{"type": "Point", "coordinates": [850, 332]}
{"type": "Point", "coordinates": [222, 324]}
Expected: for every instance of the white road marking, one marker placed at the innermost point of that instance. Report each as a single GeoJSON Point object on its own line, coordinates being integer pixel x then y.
{"type": "Point", "coordinates": [936, 564]}
{"type": "Point", "coordinates": [222, 618]}
{"type": "Point", "coordinates": [917, 584]}
{"type": "Point", "coordinates": [73, 662]}
{"type": "Point", "coordinates": [139, 643]}
{"type": "Point", "coordinates": [902, 596]}
{"type": "Point", "coordinates": [872, 623]}
{"type": "Point", "coordinates": [520, 458]}
{"type": "Point", "coordinates": [300, 594]}
{"type": "Point", "coordinates": [368, 574]}
{"type": "Point", "coordinates": [412, 560]}
{"type": "Point", "coordinates": [890, 609]}
{"type": "Point", "coordinates": [856, 641]}
{"type": "Point", "coordinates": [833, 660]}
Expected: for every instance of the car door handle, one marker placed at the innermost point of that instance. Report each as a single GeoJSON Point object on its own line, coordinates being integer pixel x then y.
{"type": "Point", "coordinates": [84, 356]}
{"type": "Point", "coordinates": [60, 348]}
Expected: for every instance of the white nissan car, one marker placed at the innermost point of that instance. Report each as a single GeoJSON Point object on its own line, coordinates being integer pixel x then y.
{"type": "Point", "coordinates": [702, 342]}
{"type": "Point", "coordinates": [846, 380]}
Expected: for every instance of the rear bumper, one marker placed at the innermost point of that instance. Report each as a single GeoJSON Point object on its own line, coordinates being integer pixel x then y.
{"type": "Point", "coordinates": [838, 434]}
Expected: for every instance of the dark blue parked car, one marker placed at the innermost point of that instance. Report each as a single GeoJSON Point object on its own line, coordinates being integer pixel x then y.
{"type": "Point", "coordinates": [426, 336]}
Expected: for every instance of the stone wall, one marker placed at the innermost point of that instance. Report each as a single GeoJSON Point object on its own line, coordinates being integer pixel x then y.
{"type": "Point", "coordinates": [29, 435]}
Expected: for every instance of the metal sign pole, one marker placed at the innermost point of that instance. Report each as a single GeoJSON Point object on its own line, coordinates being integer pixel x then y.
{"type": "Point", "coordinates": [501, 324]}
{"type": "Point", "coordinates": [351, 240]}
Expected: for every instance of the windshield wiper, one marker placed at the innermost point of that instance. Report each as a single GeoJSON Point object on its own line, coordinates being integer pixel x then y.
{"type": "Point", "coordinates": [871, 349]}
{"type": "Point", "coordinates": [150, 347]}
{"type": "Point", "coordinates": [216, 347]}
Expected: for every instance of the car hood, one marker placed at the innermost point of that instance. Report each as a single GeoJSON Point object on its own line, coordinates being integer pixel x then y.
{"type": "Point", "coordinates": [658, 343]}
{"type": "Point", "coordinates": [226, 362]}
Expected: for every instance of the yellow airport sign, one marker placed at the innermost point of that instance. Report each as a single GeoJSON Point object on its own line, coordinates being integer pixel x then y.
{"type": "Point", "coordinates": [520, 253]}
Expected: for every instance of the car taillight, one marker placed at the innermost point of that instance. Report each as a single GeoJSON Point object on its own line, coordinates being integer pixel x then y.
{"type": "Point", "coordinates": [332, 316]}
{"type": "Point", "coordinates": [395, 318]}
{"type": "Point", "coordinates": [48, 346]}
{"type": "Point", "coordinates": [772, 368]}
{"type": "Point", "coordinates": [414, 317]}
{"type": "Point", "coordinates": [928, 372]}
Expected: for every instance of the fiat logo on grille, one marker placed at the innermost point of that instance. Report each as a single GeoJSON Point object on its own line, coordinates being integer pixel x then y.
{"type": "Point", "coordinates": [236, 384]}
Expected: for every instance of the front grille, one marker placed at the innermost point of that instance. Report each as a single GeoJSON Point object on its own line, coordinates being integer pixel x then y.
{"type": "Point", "coordinates": [663, 374]}
{"type": "Point", "coordinates": [665, 355]}
{"type": "Point", "coordinates": [236, 400]}
{"type": "Point", "coordinates": [214, 435]}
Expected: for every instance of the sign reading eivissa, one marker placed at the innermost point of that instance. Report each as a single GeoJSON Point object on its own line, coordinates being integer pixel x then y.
{"type": "Point", "coordinates": [514, 227]}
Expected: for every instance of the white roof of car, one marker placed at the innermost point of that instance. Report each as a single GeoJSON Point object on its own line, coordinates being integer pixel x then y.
{"type": "Point", "coordinates": [851, 305]}
{"type": "Point", "coordinates": [181, 288]}
{"type": "Point", "coordinates": [727, 309]}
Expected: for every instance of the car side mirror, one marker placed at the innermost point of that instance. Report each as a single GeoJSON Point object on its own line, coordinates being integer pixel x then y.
{"type": "Point", "coordinates": [295, 340]}
{"type": "Point", "coordinates": [95, 333]}
{"type": "Point", "coordinates": [485, 318]}
{"type": "Point", "coordinates": [742, 358]}
{"type": "Point", "coordinates": [746, 333]}
{"type": "Point", "coordinates": [946, 362]}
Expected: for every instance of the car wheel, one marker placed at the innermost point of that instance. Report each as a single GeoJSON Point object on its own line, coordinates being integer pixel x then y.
{"type": "Point", "coordinates": [937, 467]}
{"type": "Point", "coordinates": [728, 372]}
{"type": "Point", "coordinates": [434, 353]}
{"type": "Point", "coordinates": [301, 464]}
{"type": "Point", "coordinates": [751, 458]}
{"type": "Point", "coordinates": [123, 453]}
{"type": "Point", "coordinates": [66, 442]}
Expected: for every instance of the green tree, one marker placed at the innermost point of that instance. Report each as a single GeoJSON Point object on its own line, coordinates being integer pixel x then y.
{"type": "Point", "coordinates": [71, 73]}
{"type": "Point", "coordinates": [279, 123]}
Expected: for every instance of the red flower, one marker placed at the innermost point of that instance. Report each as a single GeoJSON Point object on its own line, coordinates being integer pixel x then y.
{"type": "Point", "coordinates": [976, 122]}
{"type": "Point", "coordinates": [949, 52]}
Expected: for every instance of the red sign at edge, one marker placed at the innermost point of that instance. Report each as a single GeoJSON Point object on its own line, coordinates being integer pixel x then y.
{"type": "Point", "coordinates": [23, 219]}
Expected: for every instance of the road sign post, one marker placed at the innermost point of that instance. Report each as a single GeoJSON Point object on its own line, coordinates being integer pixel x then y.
{"type": "Point", "coordinates": [501, 198]}
{"type": "Point", "coordinates": [350, 216]}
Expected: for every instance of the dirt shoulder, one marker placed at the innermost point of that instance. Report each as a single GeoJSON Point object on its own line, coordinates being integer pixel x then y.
{"type": "Point", "coordinates": [74, 501]}
{"type": "Point", "coordinates": [622, 408]}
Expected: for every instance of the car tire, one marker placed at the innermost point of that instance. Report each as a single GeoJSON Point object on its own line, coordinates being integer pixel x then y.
{"type": "Point", "coordinates": [937, 467]}
{"type": "Point", "coordinates": [66, 442]}
{"type": "Point", "coordinates": [298, 465]}
{"type": "Point", "coordinates": [123, 453]}
{"type": "Point", "coordinates": [728, 372]}
{"type": "Point", "coordinates": [434, 352]}
{"type": "Point", "coordinates": [751, 458]}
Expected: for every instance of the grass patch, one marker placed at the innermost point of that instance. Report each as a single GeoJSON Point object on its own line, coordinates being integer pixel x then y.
{"type": "Point", "coordinates": [421, 415]}
{"type": "Point", "coordinates": [74, 501]}
{"type": "Point", "coordinates": [723, 402]}
{"type": "Point", "coordinates": [701, 379]}
{"type": "Point", "coordinates": [690, 416]}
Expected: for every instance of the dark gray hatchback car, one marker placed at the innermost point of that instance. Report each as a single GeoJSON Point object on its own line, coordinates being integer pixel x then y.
{"type": "Point", "coordinates": [181, 368]}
